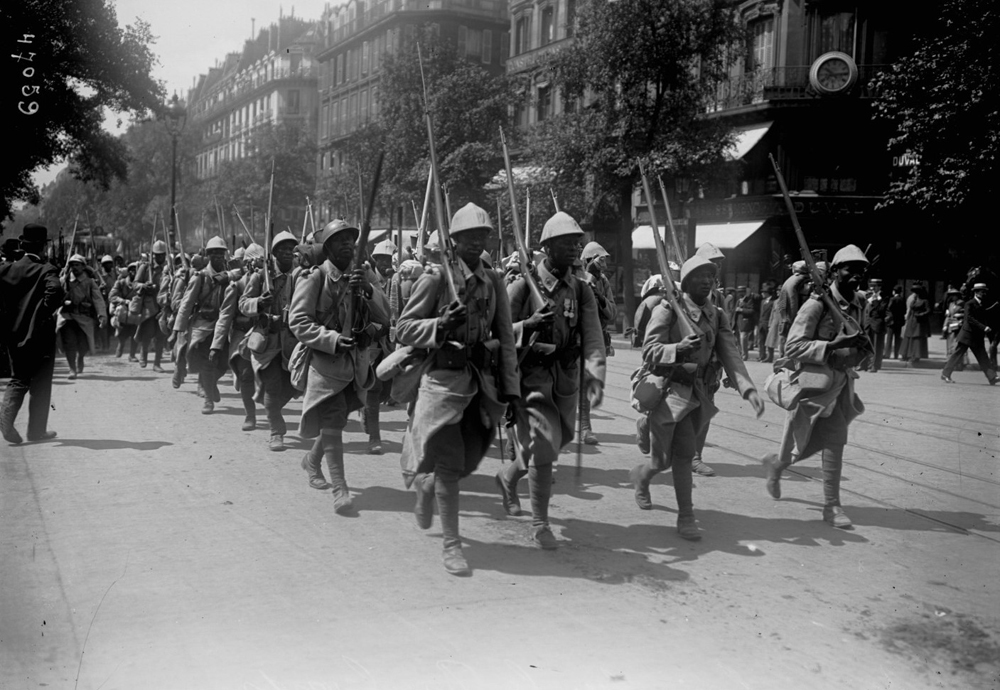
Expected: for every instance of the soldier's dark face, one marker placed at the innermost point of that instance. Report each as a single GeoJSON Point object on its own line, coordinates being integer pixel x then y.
{"type": "Point", "coordinates": [339, 249]}
{"type": "Point", "coordinates": [160, 259]}
{"type": "Point", "coordinates": [284, 255]}
{"type": "Point", "coordinates": [76, 268]}
{"type": "Point", "coordinates": [850, 276]}
{"type": "Point", "coordinates": [383, 263]}
{"type": "Point", "coordinates": [217, 257]}
{"type": "Point", "coordinates": [563, 251]}
{"type": "Point", "coordinates": [699, 284]}
{"type": "Point", "coordinates": [469, 245]}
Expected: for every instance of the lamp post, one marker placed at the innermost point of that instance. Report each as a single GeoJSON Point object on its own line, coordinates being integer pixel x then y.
{"type": "Point", "coordinates": [174, 117]}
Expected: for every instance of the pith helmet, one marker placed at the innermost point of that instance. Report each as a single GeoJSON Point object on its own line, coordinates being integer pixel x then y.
{"type": "Point", "coordinates": [693, 264]}
{"type": "Point", "coordinates": [593, 251]}
{"type": "Point", "coordinates": [283, 236]}
{"type": "Point", "coordinates": [334, 228]}
{"type": "Point", "coordinates": [558, 225]}
{"type": "Point", "coordinates": [239, 254]}
{"type": "Point", "coordinates": [800, 267]}
{"type": "Point", "coordinates": [849, 254]}
{"type": "Point", "coordinates": [653, 282]}
{"type": "Point", "coordinates": [709, 251]}
{"type": "Point", "coordinates": [216, 243]}
{"type": "Point", "coordinates": [433, 242]}
{"type": "Point", "coordinates": [253, 252]}
{"type": "Point", "coordinates": [384, 248]}
{"type": "Point", "coordinates": [470, 217]}
{"type": "Point", "coordinates": [76, 259]}
{"type": "Point", "coordinates": [159, 247]}
{"type": "Point", "coordinates": [107, 259]}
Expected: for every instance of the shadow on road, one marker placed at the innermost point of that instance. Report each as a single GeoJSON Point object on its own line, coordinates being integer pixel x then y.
{"type": "Point", "coordinates": [101, 377]}
{"type": "Point", "coordinates": [111, 444]}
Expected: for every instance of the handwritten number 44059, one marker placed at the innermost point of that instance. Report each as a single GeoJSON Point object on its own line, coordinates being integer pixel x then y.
{"type": "Point", "coordinates": [31, 107]}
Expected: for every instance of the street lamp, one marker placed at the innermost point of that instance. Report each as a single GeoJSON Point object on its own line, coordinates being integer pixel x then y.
{"type": "Point", "coordinates": [174, 117]}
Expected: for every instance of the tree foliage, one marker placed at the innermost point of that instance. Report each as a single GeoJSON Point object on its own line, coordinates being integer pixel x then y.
{"type": "Point", "coordinates": [74, 63]}
{"type": "Point", "coordinates": [941, 102]}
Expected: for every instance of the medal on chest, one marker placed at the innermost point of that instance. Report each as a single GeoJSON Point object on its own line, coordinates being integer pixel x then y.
{"type": "Point", "coordinates": [569, 308]}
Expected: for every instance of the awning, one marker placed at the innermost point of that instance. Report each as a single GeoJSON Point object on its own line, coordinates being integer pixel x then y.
{"type": "Point", "coordinates": [642, 237]}
{"type": "Point", "coordinates": [726, 235]}
{"type": "Point", "coordinates": [746, 139]}
{"type": "Point", "coordinates": [379, 235]}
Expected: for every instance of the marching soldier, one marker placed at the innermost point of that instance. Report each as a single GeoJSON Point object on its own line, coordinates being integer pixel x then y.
{"type": "Point", "coordinates": [176, 289]}
{"type": "Point", "coordinates": [337, 371]}
{"type": "Point", "coordinates": [124, 322]}
{"type": "Point", "coordinates": [686, 407]}
{"type": "Point", "coordinates": [232, 327]}
{"type": "Point", "coordinates": [30, 294]}
{"type": "Point", "coordinates": [199, 310]}
{"type": "Point", "coordinates": [568, 325]}
{"type": "Point", "coordinates": [382, 257]}
{"type": "Point", "coordinates": [595, 265]}
{"type": "Point", "coordinates": [469, 376]}
{"type": "Point", "coordinates": [106, 279]}
{"type": "Point", "coordinates": [818, 423]}
{"type": "Point", "coordinates": [83, 305]}
{"type": "Point", "coordinates": [149, 279]}
{"type": "Point", "coordinates": [270, 343]}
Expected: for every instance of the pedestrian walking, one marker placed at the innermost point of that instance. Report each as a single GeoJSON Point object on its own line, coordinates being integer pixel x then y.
{"type": "Point", "coordinates": [468, 378]}
{"type": "Point", "coordinates": [877, 310]}
{"type": "Point", "coordinates": [819, 422]}
{"type": "Point", "coordinates": [270, 342]}
{"type": "Point", "coordinates": [595, 266]}
{"type": "Point", "coordinates": [954, 315]}
{"type": "Point", "coordinates": [197, 315]}
{"type": "Point", "coordinates": [679, 367]}
{"type": "Point", "coordinates": [895, 319]}
{"type": "Point", "coordinates": [564, 331]}
{"type": "Point", "coordinates": [746, 319]}
{"type": "Point", "coordinates": [974, 331]}
{"type": "Point", "coordinates": [30, 294]}
{"type": "Point", "coordinates": [83, 310]}
{"type": "Point", "coordinates": [767, 336]}
{"type": "Point", "coordinates": [917, 326]}
{"type": "Point", "coordinates": [336, 366]}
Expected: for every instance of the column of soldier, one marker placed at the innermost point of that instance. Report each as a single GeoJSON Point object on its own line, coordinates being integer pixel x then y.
{"type": "Point", "coordinates": [468, 351]}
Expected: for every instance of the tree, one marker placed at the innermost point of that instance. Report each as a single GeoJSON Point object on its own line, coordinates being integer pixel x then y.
{"type": "Point", "coordinates": [941, 102]}
{"type": "Point", "coordinates": [643, 70]}
{"type": "Point", "coordinates": [71, 61]}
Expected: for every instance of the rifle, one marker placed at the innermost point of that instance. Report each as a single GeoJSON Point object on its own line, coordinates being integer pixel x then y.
{"type": "Point", "coordinates": [499, 235]}
{"type": "Point", "coordinates": [681, 257]}
{"type": "Point", "coordinates": [527, 216]}
{"type": "Point", "coordinates": [93, 245]}
{"type": "Point", "coordinates": [72, 241]}
{"type": "Point", "coordinates": [424, 211]}
{"type": "Point", "coordinates": [148, 278]}
{"type": "Point", "coordinates": [245, 229]}
{"type": "Point", "coordinates": [555, 201]}
{"type": "Point", "coordinates": [180, 241]}
{"type": "Point", "coordinates": [537, 301]}
{"type": "Point", "coordinates": [842, 321]}
{"type": "Point", "coordinates": [684, 324]}
{"type": "Point", "coordinates": [447, 250]}
{"type": "Point", "coordinates": [354, 304]}
{"type": "Point", "coordinates": [268, 230]}
{"type": "Point", "coordinates": [309, 217]}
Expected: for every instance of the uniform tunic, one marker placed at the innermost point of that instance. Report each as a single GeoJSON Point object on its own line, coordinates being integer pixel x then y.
{"type": "Point", "coordinates": [550, 383]}
{"type": "Point", "coordinates": [316, 318]}
{"type": "Point", "coordinates": [232, 326]}
{"type": "Point", "coordinates": [470, 396]}
{"type": "Point", "coordinates": [280, 339]}
{"type": "Point", "coordinates": [85, 295]}
{"type": "Point", "coordinates": [689, 394]}
{"type": "Point", "coordinates": [830, 412]}
{"type": "Point", "coordinates": [198, 314]}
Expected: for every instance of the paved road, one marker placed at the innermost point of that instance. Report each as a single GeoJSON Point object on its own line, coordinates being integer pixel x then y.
{"type": "Point", "coordinates": [150, 546]}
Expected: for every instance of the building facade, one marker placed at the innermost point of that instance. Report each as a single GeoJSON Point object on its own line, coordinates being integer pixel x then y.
{"type": "Point", "coordinates": [355, 38]}
{"type": "Point", "coordinates": [537, 29]}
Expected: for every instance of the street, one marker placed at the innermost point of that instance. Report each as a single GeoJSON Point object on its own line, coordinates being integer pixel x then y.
{"type": "Point", "coordinates": [150, 546]}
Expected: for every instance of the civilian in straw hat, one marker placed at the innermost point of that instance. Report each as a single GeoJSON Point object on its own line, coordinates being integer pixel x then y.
{"type": "Point", "coordinates": [974, 330]}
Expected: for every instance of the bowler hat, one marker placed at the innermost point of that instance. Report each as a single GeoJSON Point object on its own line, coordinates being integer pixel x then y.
{"type": "Point", "coordinates": [33, 233]}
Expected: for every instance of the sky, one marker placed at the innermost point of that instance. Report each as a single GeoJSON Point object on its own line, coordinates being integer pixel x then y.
{"type": "Point", "coordinates": [191, 35]}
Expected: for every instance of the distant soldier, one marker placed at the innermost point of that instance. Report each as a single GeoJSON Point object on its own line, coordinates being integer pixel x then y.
{"type": "Point", "coordinates": [381, 346]}
{"type": "Point", "coordinates": [179, 339]}
{"type": "Point", "coordinates": [30, 294]}
{"type": "Point", "coordinates": [83, 307]}
{"type": "Point", "coordinates": [687, 406]}
{"type": "Point", "coordinates": [818, 423]}
{"type": "Point", "coordinates": [199, 310]}
{"type": "Point", "coordinates": [149, 278]}
{"type": "Point", "coordinates": [339, 371]}
{"type": "Point", "coordinates": [232, 328]}
{"type": "Point", "coordinates": [469, 377]}
{"type": "Point", "coordinates": [107, 276]}
{"type": "Point", "coordinates": [122, 319]}
{"type": "Point", "coordinates": [595, 266]}
{"type": "Point", "coordinates": [271, 342]}
{"type": "Point", "coordinates": [569, 330]}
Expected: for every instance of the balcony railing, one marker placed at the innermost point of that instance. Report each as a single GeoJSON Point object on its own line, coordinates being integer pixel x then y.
{"type": "Point", "coordinates": [247, 86]}
{"type": "Point", "coordinates": [782, 83]}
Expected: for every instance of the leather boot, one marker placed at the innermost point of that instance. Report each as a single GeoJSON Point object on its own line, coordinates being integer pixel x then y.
{"type": "Point", "coordinates": [772, 472]}
{"type": "Point", "coordinates": [683, 484]}
{"type": "Point", "coordinates": [540, 483]}
{"type": "Point", "coordinates": [312, 463]}
{"type": "Point", "coordinates": [423, 484]}
{"type": "Point", "coordinates": [832, 463]}
{"type": "Point", "coordinates": [506, 480]}
{"type": "Point", "coordinates": [640, 477]}
{"type": "Point", "coordinates": [333, 451]}
{"type": "Point", "coordinates": [12, 400]}
{"type": "Point", "coordinates": [446, 491]}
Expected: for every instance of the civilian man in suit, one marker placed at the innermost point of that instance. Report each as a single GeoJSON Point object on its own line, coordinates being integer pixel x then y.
{"type": "Point", "coordinates": [894, 321]}
{"type": "Point", "coordinates": [31, 294]}
{"type": "Point", "coordinates": [877, 310]}
{"type": "Point", "coordinates": [974, 330]}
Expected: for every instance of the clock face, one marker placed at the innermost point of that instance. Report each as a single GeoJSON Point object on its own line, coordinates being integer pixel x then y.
{"type": "Point", "coordinates": [833, 73]}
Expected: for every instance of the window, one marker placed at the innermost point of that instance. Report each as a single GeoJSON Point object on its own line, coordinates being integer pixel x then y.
{"type": "Point", "coordinates": [343, 116]}
{"type": "Point", "coordinates": [761, 52]}
{"type": "Point", "coordinates": [522, 34]}
{"type": "Point", "coordinates": [504, 46]}
{"type": "Point", "coordinates": [463, 36]}
{"type": "Point", "coordinates": [548, 25]}
{"type": "Point", "coordinates": [487, 53]}
{"type": "Point", "coordinates": [364, 58]}
{"type": "Point", "coordinates": [570, 18]}
{"type": "Point", "coordinates": [474, 43]}
{"type": "Point", "coordinates": [544, 102]}
{"type": "Point", "coordinates": [374, 102]}
{"type": "Point", "coordinates": [292, 102]}
{"type": "Point", "coordinates": [831, 30]}
{"type": "Point", "coordinates": [353, 113]}
{"type": "Point", "coordinates": [339, 79]}
{"type": "Point", "coordinates": [335, 127]}
{"type": "Point", "coordinates": [323, 132]}
{"type": "Point", "coordinates": [376, 53]}
{"type": "Point", "coordinates": [364, 107]}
